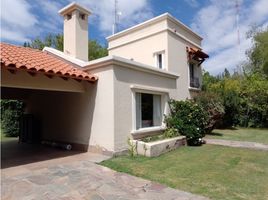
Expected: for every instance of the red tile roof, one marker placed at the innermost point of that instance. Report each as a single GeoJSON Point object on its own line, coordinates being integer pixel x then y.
{"type": "Point", "coordinates": [36, 61]}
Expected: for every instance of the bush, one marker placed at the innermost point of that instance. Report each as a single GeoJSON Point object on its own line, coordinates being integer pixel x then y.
{"type": "Point", "coordinates": [211, 103]}
{"type": "Point", "coordinates": [11, 112]}
{"type": "Point", "coordinates": [253, 109]}
{"type": "Point", "coordinates": [189, 118]}
{"type": "Point", "coordinates": [171, 132]}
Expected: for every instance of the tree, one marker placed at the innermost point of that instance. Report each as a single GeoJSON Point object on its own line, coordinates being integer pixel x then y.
{"type": "Point", "coordinates": [51, 40]}
{"type": "Point", "coordinates": [95, 50]}
{"type": "Point", "coordinates": [11, 112]}
{"type": "Point", "coordinates": [208, 80]}
{"type": "Point", "coordinates": [258, 54]}
{"type": "Point", "coordinates": [226, 73]}
{"type": "Point", "coordinates": [253, 110]}
{"type": "Point", "coordinates": [56, 41]}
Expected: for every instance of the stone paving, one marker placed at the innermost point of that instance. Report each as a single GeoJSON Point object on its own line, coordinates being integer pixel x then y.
{"type": "Point", "coordinates": [240, 144]}
{"type": "Point", "coordinates": [77, 177]}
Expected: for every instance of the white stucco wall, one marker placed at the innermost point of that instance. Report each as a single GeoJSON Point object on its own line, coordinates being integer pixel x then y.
{"type": "Point", "coordinates": [102, 108]}
{"type": "Point", "coordinates": [142, 50]}
{"type": "Point", "coordinates": [76, 36]}
{"type": "Point", "coordinates": [64, 117]}
{"type": "Point", "coordinates": [126, 82]}
{"type": "Point", "coordinates": [178, 63]}
{"type": "Point", "coordinates": [162, 34]}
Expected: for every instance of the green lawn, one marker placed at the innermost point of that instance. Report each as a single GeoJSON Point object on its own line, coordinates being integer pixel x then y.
{"type": "Point", "coordinates": [5, 138]}
{"type": "Point", "coordinates": [241, 134]}
{"type": "Point", "coordinates": [214, 171]}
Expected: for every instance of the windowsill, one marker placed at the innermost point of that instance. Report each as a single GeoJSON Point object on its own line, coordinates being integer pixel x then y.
{"type": "Point", "coordinates": [148, 130]}
{"type": "Point", "coordinates": [194, 89]}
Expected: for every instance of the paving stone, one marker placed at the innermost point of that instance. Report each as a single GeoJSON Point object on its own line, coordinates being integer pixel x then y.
{"type": "Point", "coordinates": [95, 197]}
{"type": "Point", "coordinates": [77, 179]}
{"type": "Point", "coordinates": [238, 144]}
{"type": "Point", "coordinates": [40, 179]}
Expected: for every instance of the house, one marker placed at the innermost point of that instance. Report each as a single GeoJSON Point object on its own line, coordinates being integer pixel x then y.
{"type": "Point", "coordinates": [96, 105]}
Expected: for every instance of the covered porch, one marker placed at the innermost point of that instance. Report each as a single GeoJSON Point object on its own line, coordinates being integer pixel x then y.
{"type": "Point", "coordinates": [57, 105]}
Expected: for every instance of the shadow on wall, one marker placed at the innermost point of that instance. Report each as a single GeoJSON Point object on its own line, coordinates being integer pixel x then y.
{"type": "Point", "coordinates": [67, 117]}
{"type": "Point", "coordinates": [64, 116]}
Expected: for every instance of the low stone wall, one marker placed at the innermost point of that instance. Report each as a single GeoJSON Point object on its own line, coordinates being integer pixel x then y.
{"type": "Point", "coordinates": [153, 149]}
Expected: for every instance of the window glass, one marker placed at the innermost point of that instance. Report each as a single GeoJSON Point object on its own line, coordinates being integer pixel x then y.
{"type": "Point", "coordinates": [160, 61]}
{"type": "Point", "coordinates": [148, 110]}
{"type": "Point", "coordinates": [191, 70]}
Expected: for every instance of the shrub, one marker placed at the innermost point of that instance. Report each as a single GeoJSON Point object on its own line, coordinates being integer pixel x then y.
{"type": "Point", "coordinates": [211, 103]}
{"type": "Point", "coordinates": [171, 132]}
{"type": "Point", "coordinates": [188, 118]}
{"type": "Point", "coordinates": [11, 112]}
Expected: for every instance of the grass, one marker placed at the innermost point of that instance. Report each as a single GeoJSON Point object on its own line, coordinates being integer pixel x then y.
{"type": "Point", "coordinates": [241, 134]}
{"type": "Point", "coordinates": [5, 138]}
{"type": "Point", "coordinates": [214, 171]}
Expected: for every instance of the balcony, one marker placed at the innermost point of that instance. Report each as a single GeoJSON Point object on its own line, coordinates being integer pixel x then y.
{"type": "Point", "coordinates": [194, 82]}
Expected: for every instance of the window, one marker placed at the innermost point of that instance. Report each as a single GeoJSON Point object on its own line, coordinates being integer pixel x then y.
{"type": "Point", "coordinates": [148, 110]}
{"type": "Point", "coordinates": [194, 80]}
{"type": "Point", "coordinates": [159, 59]}
{"type": "Point", "coordinates": [191, 70]}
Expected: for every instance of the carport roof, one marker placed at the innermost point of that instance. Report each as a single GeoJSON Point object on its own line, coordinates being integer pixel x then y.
{"type": "Point", "coordinates": [36, 61]}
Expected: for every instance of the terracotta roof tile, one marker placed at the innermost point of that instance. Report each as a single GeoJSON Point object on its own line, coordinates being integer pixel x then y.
{"type": "Point", "coordinates": [34, 60]}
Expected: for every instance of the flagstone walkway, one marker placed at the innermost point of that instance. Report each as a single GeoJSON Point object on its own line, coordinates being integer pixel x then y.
{"type": "Point", "coordinates": [240, 144]}
{"type": "Point", "coordinates": [77, 177]}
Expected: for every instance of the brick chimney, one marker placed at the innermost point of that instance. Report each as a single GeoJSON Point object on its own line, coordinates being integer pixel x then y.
{"type": "Point", "coordinates": [75, 31]}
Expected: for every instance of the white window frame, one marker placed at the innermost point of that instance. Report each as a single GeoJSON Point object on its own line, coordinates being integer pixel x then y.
{"type": "Point", "coordinates": [156, 54]}
{"type": "Point", "coordinates": [164, 107]}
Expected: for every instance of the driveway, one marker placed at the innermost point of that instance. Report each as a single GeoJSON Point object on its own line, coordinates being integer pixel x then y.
{"type": "Point", "coordinates": [78, 177]}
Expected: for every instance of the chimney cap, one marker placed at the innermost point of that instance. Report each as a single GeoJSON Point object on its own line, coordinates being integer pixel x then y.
{"type": "Point", "coordinates": [71, 7]}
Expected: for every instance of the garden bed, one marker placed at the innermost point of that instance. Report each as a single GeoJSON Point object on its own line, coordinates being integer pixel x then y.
{"type": "Point", "coordinates": [156, 148]}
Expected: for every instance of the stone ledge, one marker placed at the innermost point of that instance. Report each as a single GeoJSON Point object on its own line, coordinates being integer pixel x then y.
{"type": "Point", "coordinates": [154, 149]}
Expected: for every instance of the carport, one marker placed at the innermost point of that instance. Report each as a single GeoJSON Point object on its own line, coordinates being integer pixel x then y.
{"type": "Point", "coordinates": [56, 94]}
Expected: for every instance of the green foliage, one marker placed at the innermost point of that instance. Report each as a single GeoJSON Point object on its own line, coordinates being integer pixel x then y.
{"type": "Point", "coordinates": [132, 148]}
{"type": "Point", "coordinates": [208, 80]}
{"type": "Point", "coordinates": [168, 133]}
{"type": "Point", "coordinates": [56, 41]}
{"type": "Point", "coordinates": [95, 50]}
{"type": "Point", "coordinates": [253, 109]}
{"type": "Point", "coordinates": [244, 98]}
{"type": "Point", "coordinates": [51, 40]}
{"type": "Point", "coordinates": [188, 118]}
{"type": "Point", "coordinates": [153, 138]}
{"type": "Point", "coordinates": [212, 104]}
{"type": "Point", "coordinates": [11, 112]}
{"type": "Point", "coordinates": [171, 132]}
{"type": "Point", "coordinates": [258, 54]}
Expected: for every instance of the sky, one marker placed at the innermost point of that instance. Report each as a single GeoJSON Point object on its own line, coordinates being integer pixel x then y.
{"type": "Point", "coordinates": [214, 20]}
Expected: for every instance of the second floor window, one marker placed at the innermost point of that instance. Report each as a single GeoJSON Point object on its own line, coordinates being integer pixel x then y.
{"type": "Point", "coordinates": [159, 59]}
{"type": "Point", "coordinates": [194, 77]}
